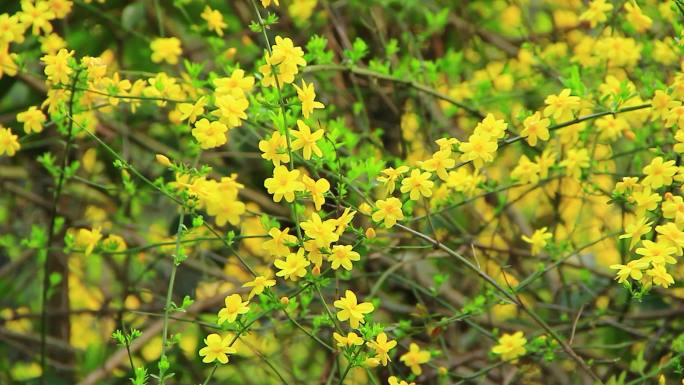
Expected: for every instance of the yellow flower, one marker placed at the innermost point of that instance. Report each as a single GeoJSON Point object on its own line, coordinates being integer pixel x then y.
{"type": "Point", "coordinates": [657, 253]}
{"type": "Point", "coordinates": [293, 266]}
{"type": "Point", "coordinates": [192, 111]}
{"type": "Point", "coordinates": [440, 163]}
{"type": "Point", "coordinates": [417, 184]}
{"type": "Point", "coordinates": [526, 171]}
{"type": "Point", "coordinates": [510, 347]}
{"type": "Point", "coordinates": [88, 239]}
{"type": "Point", "coordinates": [322, 232]}
{"type": "Point", "coordinates": [57, 67]}
{"type": "Point", "coordinates": [414, 358]}
{"type": "Point", "coordinates": [575, 161]}
{"type": "Point", "coordinates": [673, 208]}
{"type": "Point", "coordinates": [37, 15]}
{"type": "Point", "coordinates": [670, 235]}
{"type": "Point", "coordinates": [266, 3]}
{"type": "Point", "coordinates": [344, 220]}
{"type": "Point", "coordinates": [561, 106]}
{"type": "Point", "coordinates": [633, 269]}
{"type": "Point", "coordinates": [214, 20]}
{"type": "Point", "coordinates": [479, 148]}
{"type": "Point", "coordinates": [660, 276]}
{"type": "Point", "coordinates": [231, 110]}
{"type": "Point", "coordinates": [317, 189]}
{"type": "Point", "coordinates": [351, 310]}
{"type": "Point", "coordinates": [277, 245]}
{"type": "Point", "coordinates": [389, 210]}
{"type": "Point", "coordinates": [258, 285]}
{"type": "Point", "coordinates": [596, 13]}
{"type": "Point", "coordinates": [352, 339]}
{"type": "Point", "coordinates": [636, 230]}
{"type": "Point", "coordinates": [659, 173]}
{"type": "Point", "coordinates": [492, 127]}
{"type": "Point", "coordinates": [661, 103]}
{"type": "Point", "coordinates": [284, 184]}
{"type": "Point", "coordinates": [51, 43]}
{"type": "Point", "coordinates": [234, 307]}
{"type": "Point", "coordinates": [9, 143]}
{"type": "Point", "coordinates": [382, 346]}
{"type": "Point", "coordinates": [535, 127]}
{"type": "Point", "coordinates": [307, 96]}
{"type": "Point", "coordinates": [645, 200]}
{"type": "Point", "coordinates": [343, 255]}
{"type": "Point", "coordinates": [275, 149]}
{"type": "Point", "coordinates": [61, 8]}
{"type": "Point", "coordinates": [634, 16]}
{"type": "Point", "coordinates": [391, 176]}
{"type": "Point", "coordinates": [393, 380]}
{"type": "Point", "coordinates": [210, 134]}
{"type": "Point", "coordinates": [301, 9]}
{"type": "Point", "coordinates": [236, 85]}
{"type": "Point", "coordinates": [216, 348]}
{"type": "Point", "coordinates": [306, 140]}
{"type": "Point", "coordinates": [166, 49]}
{"type": "Point", "coordinates": [284, 51]}
{"type": "Point", "coordinates": [538, 240]}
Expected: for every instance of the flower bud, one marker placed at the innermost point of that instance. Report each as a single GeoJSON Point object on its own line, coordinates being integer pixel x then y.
{"type": "Point", "coordinates": [163, 160]}
{"type": "Point", "coordinates": [284, 300]}
{"type": "Point", "coordinates": [370, 233]}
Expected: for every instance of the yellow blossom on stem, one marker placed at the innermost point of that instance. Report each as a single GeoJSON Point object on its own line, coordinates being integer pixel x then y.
{"type": "Point", "coordinates": [636, 230]}
{"type": "Point", "coordinates": [216, 349]}
{"type": "Point", "coordinates": [659, 173]}
{"type": "Point", "coordinates": [657, 253]}
{"type": "Point", "coordinates": [440, 163]}
{"type": "Point", "coordinates": [343, 255]}
{"type": "Point", "coordinates": [538, 240]}
{"type": "Point", "coordinates": [57, 67]}
{"type": "Point", "coordinates": [210, 134]}
{"type": "Point", "coordinates": [417, 184]}
{"type": "Point", "coordinates": [307, 96]}
{"type": "Point", "coordinates": [479, 148]}
{"type": "Point", "coordinates": [561, 106]}
{"type": "Point", "coordinates": [33, 119]}
{"type": "Point", "coordinates": [9, 143]}
{"type": "Point", "coordinates": [191, 111]}
{"type": "Point", "coordinates": [414, 358]}
{"type": "Point", "coordinates": [231, 110]}
{"type": "Point", "coordinates": [214, 20]}
{"type": "Point", "coordinates": [322, 232]}
{"type": "Point", "coordinates": [88, 239]}
{"type": "Point", "coordinates": [660, 276]}
{"type": "Point", "coordinates": [596, 13]}
{"type": "Point", "coordinates": [37, 15]}
{"type": "Point", "coordinates": [351, 339]}
{"type": "Point", "coordinates": [492, 127]}
{"type": "Point", "coordinates": [510, 346]}
{"type": "Point", "coordinates": [234, 307]}
{"type": "Point", "coordinates": [390, 177]}
{"type": "Point", "coordinates": [382, 345]}
{"type": "Point", "coordinates": [306, 140]}
{"type": "Point", "coordinates": [317, 189]}
{"type": "Point", "coordinates": [258, 285]}
{"type": "Point", "coordinates": [166, 49]}
{"type": "Point", "coordinates": [275, 149]}
{"type": "Point", "coordinates": [351, 310]}
{"type": "Point", "coordinates": [633, 269]}
{"type": "Point", "coordinates": [535, 127]}
{"type": "Point", "coordinates": [293, 266]}
{"type": "Point", "coordinates": [284, 184]}
{"type": "Point", "coordinates": [278, 244]}
{"type": "Point", "coordinates": [389, 211]}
